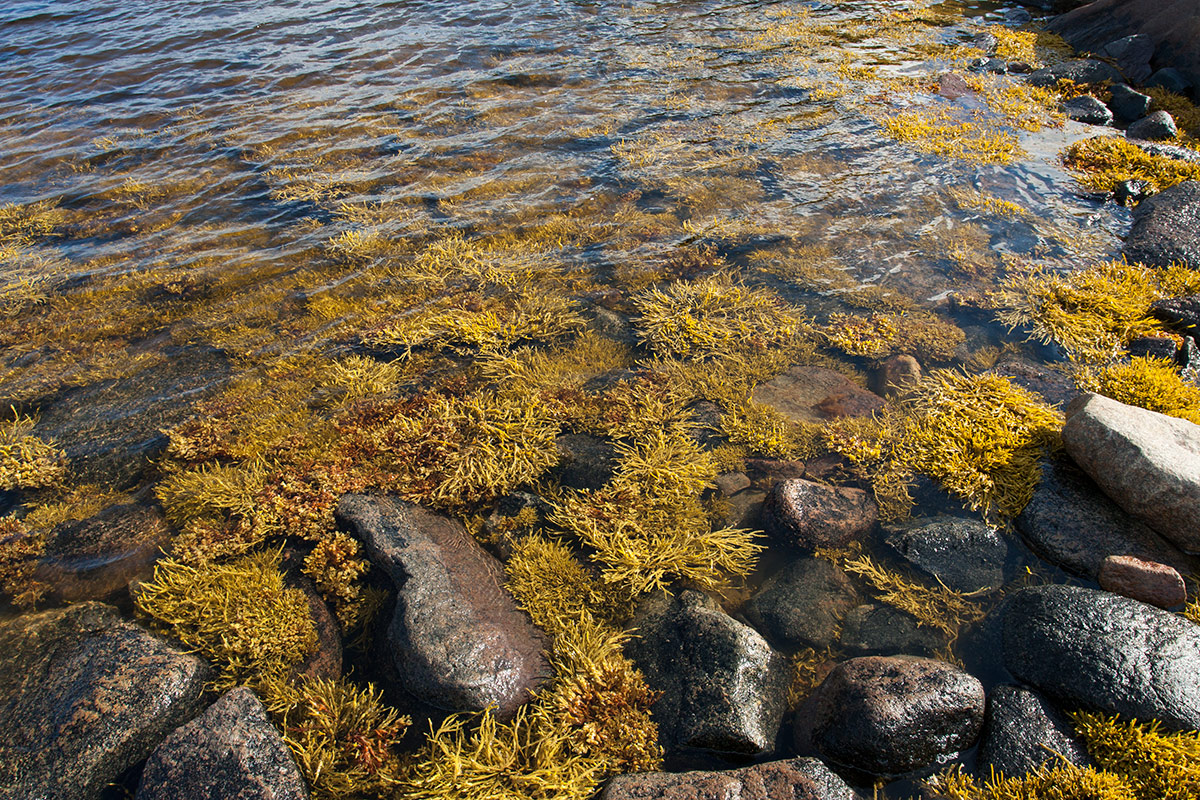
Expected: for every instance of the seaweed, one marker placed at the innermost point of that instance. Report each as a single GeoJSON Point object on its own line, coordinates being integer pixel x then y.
{"type": "Point", "coordinates": [27, 461]}
{"type": "Point", "coordinates": [1156, 765]}
{"type": "Point", "coordinates": [20, 549]}
{"type": "Point", "coordinates": [938, 132]}
{"type": "Point", "coordinates": [556, 590]}
{"type": "Point", "coordinates": [1058, 782]}
{"type": "Point", "coordinates": [1152, 383]}
{"type": "Point", "coordinates": [1102, 163]}
{"type": "Point", "coordinates": [932, 606]}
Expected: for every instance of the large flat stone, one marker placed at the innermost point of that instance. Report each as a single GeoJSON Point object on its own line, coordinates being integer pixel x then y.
{"type": "Point", "coordinates": [794, 779]}
{"type": "Point", "coordinates": [816, 394]}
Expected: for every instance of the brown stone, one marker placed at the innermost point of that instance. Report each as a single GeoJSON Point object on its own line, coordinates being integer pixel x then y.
{"type": "Point", "coordinates": [816, 394]}
{"type": "Point", "coordinates": [953, 86]}
{"type": "Point", "coordinates": [896, 374]}
{"type": "Point", "coordinates": [730, 483]}
{"type": "Point", "coordinates": [795, 779]}
{"type": "Point", "coordinates": [1147, 581]}
{"type": "Point", "coordinates": [773, 470]}
{"type": "Point", "coordinates": [809, 515]}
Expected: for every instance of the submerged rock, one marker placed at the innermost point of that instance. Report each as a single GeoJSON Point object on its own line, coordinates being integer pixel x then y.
{"type": "Point", "coordinates": [816, 394]}
{"type": "Point", "coordinates": [723, 687]}
{"type": "Point", "coordinates": [1077, 70]}
{"type": "Point", "coordinates": [1166, 228]}
{"type": "Point", "coordinates": [1088, 110]}
{"type": "Point", "coordinates": [84, 695]}
{"type": "Point", "coordinates": [809, 515]}
{"type": "Point", "coordinates": [1022, 731]}
{"type": "Point", "coordinates": [457, 639]}
{"type": "Point", "coordinates": [1091, 649]}
{"type": "Point", "coordinates": [1181, 313]}
{"type": "Point", "coordinates": [230, 752]}
{"type": "Point", "coordinates": [803, 604]}
{"type": "Point", "coordinates": [964, 554]}
{"type": "Point", "coordinates": [584, 461]}
{"type": "Point", "coordinates": [881, 630]}
{"type": "Point", "coordinates": [794, 779]}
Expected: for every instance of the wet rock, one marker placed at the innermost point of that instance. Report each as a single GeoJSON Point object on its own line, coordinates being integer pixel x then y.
{"type": "Point", "coordinates": [1127, 104]}
{"type": "Point", "coordinates": [895, 375]}
{"type": "Point", "coordinates": [326, 660]}
{"type": "Point", "coordinates": [1170, 79]}
{"type": "Point", "coordinates": [816, 394]}
{"type": "Point", "coordinates": [769, 471]}
{"type": "Point", "coordinates": [84, 695]}
{"type": "Point", "coordinates": [612, 325]}
{"type": "Point", "coordinates": [1073, 525]}
{"type": "Point", "coordinates": [1052, 384]}
{"type": "Point", "coordinates": [881, 630]}
{"type": "Point", "coordinates": [1175, 151]}
{"type": "Point", "coordinates": [1153, 346]}
{"type": "Point", "coordinates": [1148, 463]}
{"type": "Point", "coordinates": [723, 687]}
{"type": "Point", "coordinates": [231, 751]}
{"type": "Point", "coordinates": [964, 554]}
{"type": "Point", "coordinates": [1153, 127]}
{"type": "Point", "coordinates": [1022, 731]}
{"type": "Point", "coordinates": [1132, 191]}
{"type": "Point", "coordinates": [1091, 649]}
{"type": "Point", "coordinates": [892, 715]}
{"type": "Point", "coordinates": [1181, 313]}
{"type": "Point", "coordinates": [1166, 228]}
{"type": "Point", "coordinates": [457, 639]}
{"type": "Point", "coordinates": [707, 431]}
{"type": "Point", "coordinates": [1132, 55]}
{"type": "Point", "coordinates": [1088, 110]}
{"type": "Point", "coordinates": [1077, 70]}
{"type": "Point", "coordinates": [803, 604]}
{"type": "Point", "coordinates": [809, 515]}
{"type": "Point", "coordinates": [984, 41]}
{"type": "Point", "coordinates": [98, 557]}
{"type": "Point", "coordinates": [730, 483]}
{"type": "Point", "coordinates": [584, 461]}
{"type": "Point", "coordinates": [953, 86]}
{"type": "Point", "coordinates": [744, 509]}
{"type": "Point", "coordinates": [1020, 68]}
{"type": "Point", "coordinates": [1147, 581]}
{"type": "Point", "coordinates": [794, 779]}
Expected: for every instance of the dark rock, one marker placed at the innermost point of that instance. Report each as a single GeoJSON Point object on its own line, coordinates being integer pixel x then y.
{"type": "Point", "coordinates": [1181, 313]}
{"type": "Point", "coordinates": [84, 695]}
{"type": "Point", "coordinates": [1078, 70]}
{"type": "Point", "coordinates": [769, 471]}
{"type": "Point", "coordinates": [1053, 384]}
{"type": "Point", "coordinates": [996, 66]}
{"type": "Point", "coordinates": [708, 429]}
{"type": "Point", "coordinates": [1088, 110]}
{"type": "Point", "coordinates": [1175, 151]}
{"type": "Point", "coordinates": [1147, 581]}
{"type": "Point", "coordinates": [1132, 55]}
{"type": "Point", "coordinates": [1132, 191]}
{"type": "Point", "coordinates": [723, 687]}
{"type": "Point", "coordinates": [744, 509]}
{"type": "Point", "coordinates": [1153, 346]}
{"type": "Point", "coordinates": [889, 716]}
{"type": "Point", "coordinates": [1020, 68]}
{"type": "Point", "coordinates": [730, 483]}
{"type": "Point", "coordinates": [816, 394]}
{"type": "Point", "coordinates": [1091, 649]}
{"type": "Point", "coordinates": [1073, 525]}
{"type": "Point", "coordinates": [612, 325]}
{"type": "Point", "coordinates": [1146, 462]}
{"type": "Point", "coordinates": [457, 639]}
{"type": "Point", "coordinates": [1166, 228]}
{"type": "Point", "coordinates": [964, 554]}
{"type": "Point", "coordinates": [230, 752]}
{"type": "Point", "coordinates": [98, 557]}
{"type": "Point", "coordinates": [880, 630]}
{"type": "Point", "coordinates": [984, 41]}
{"type": "Point", "coordinates": [1170, 79]}
{"type": "Point", "coordinates": [803, 604]}
{"type": "Point", "coordinates": [794, 779]}
{"type": "Point", "coordinates": [895, 375]}
{"type": "Point", "coordinates": [1153, 127]}
{"type": "Point", "coordinates": [1127, 104]}
{"type": "Point", "coordinates": [584, 461]}
{"type": "Point", "coordinates": [1022, 731]}
{"type": "Point", "coordinates": [952, 86]}
{"type": "Point", "coordinates": [810, 515]}
{"type": "Point", "coordinates": [326, 660]}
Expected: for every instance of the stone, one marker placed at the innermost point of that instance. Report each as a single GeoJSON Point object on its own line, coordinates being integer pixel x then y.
{"type": "Point", "coordinates": [816, 394]}
{"type": "Point", "coordinates": [1022, 731]}
{"type": "Point", "coordinates": [1088, 110]}
{"type": "Point", "coordinates": [1170, 79]}
{"type": "Point", "coordinates": [1166, 228]}
{"type": "Point", "coordinates": [953, 86]}
{"type": "Point", "coordinates": [809, 515]}
{"type": "Point", "coordinates": [1128, 104]}
{"type": "Point", "coordinates": [722, 686]}
{"type": "Point", "coordinates": [1052, 384]}
{"type": "Point", "coordinates": [730, 483]}
{"type": "Point", "coordinates": [895, 375]}
{"type": "Point", "coordinates": [881, 630]}
{"type": "Point", "coordinates": [1077, 70]}
{"type": "Point", "coordinates": [85, 695]}
{"type": "Point", "coordinates": [803, 604]}
{"type": "Point", "coordinates": [744, 509]}
{"type": "Point", "coordinates": [1132, 55]}
{"type": "Point", "coordinates": [1146, 462]}
{"type": "Point", "coordinates": [772, 470]}
{"type": "Point", "coordinates": [1073, 525]}
{"type": "Point", "coordinates": [97, 558]}
{"type": "Point", "coordinates": [1147, 581]}
{"type": "Point", "coordinates": [1155, 126]}
{"type": "Point", "coordinates": [892, 715]}
{"type": "Point", "coordinates": [1153, 347]}
{"type": "Point", "coordinates": [794, 779]}
{"type": "Point", "coordinates": [963, 554]}
{"type": "Point", "coordinates": [1181, 313]}
{"type": "Point", "coordinates": [1091, 649]}
{"type": "Point", "coordinates": [230, 752]}
{"type": "Point", "coordinates": [584, 461]}
{"type": "Point", "coordinates": [457, 639]}
{"type": "Point", "coordinates": [1132, 191]}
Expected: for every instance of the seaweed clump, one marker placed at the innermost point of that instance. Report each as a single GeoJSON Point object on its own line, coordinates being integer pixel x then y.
{"type": "Point", "coordinates": [27, 461]}
{"type": "Point", "coordinates": [1146, 382]}
{"type": "Point", "coordinates": [1156, 765]}
{"type": "Point", "coordinates": [1060, 782]}
{"type": "Point", "coordinates": [878, 335]}
{"type": "Point", "coordinates": [1102, 163]}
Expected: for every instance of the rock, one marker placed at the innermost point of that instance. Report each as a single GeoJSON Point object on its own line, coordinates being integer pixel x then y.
{"type": "Point", "coordinates": [1022, 731]}
{"type": "Point", "coordinates": [1087, 109]}
{"type": "Point", "coordinates": [98, 557]}
{"type": "Point", "coordinates": [84, 695]}
{"type": "Point", "coordinates": [1052, 384]}
{"type": "Point", "coordinates": [1132, 55]}
{"type": "Point", "coordinates": [964, 554]}
{"type": "Point", "coordinates": [1146, 462]}
{"type": "Point", "coordinates": [1128, 104]}
{"type": "Point", "coordinates": [892, 715]}
{"type": "Point", "coordinates": [1132, 191]}
{"type": "Point", "coordinates": [1153, 127]}
{"type": "Point", "coordinates": [895, 375]}
{"type": "Point", "coordinates": [794, 779]}
{"type": "Point", "coordinates": [1170, 79]}
{"type": "Point", "coordinates": [1166, 228]}
{"type": "Point", "coordinates": [723, 687]}
{"type": "Point", "coordinates": [1147, 581]}
{"type": "Point", "coordinates": [803, 604]}
{"type": "Point", "coordinates": [816, 394]}
{"type": "Point", "coordinates": [457, 639]}
{"type": "Point", "coordinates": [744, 509]}
{"type": "Point", "coordinates": [1077, 70]}
{"type": "Point", "coordinates": [326, 660]}
{"type": "Point", "coordinates": [772, 470]}
{"type": "Point", "coordinates": [1153, 346]}
{"type": "Point", "coordinates": [809, 515]}
{"type": "Point", "coordinates": [584, 461]}
{"type": "Point", "coordinates": [1020, 68]}
{"type": "Point", "coordinates": [984, 41]}
{"type": "Point", "coordinates": [231, 751]}
{"type": "Point", "coordinates": [1091, 649]}
{"type": "Point", "coordinates": [612, 325]}
{"type": "Point", "coordinates": [1175, 151]}
{"type": "Point", "coordinates": [881, 630]}
{"type": "Point", "coordinates": [1073, 525]}
{"type": "Point", "coordinates": [952, 86]}
{"type": "Point", "coordinates": [730, 483]}
{"type": "Point", "coordinates": [1181, 313]}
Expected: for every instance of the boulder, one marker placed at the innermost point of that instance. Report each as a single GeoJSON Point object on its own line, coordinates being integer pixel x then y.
{"type": "Point", "coordinates": [723, 687]}
{"type": "Point", "coordinates": [84, 695]}
{"type": "Point", "coordinates": [584, 461]}
{"type": "Point", "coordinates": [892, 715]}
{"type": "Point", "coordinates": [1022, 731]}
{"type": "Point", "coordinates": [457, 639]}
{"type": "Point", "coordinates": [963, 554]}
{"type": "Point", "coordinates": [794, 779]}
{"type": "Point", "coordinates": [809, 515]}
{"type": "Point", "coordinates": [1148, 463]}
{"type": "Point", "coordinates": [803, 604]}
{"type": "Point", "coordinates": [230, 752]}
{"type": "Point", "coordinates": [1181, 313]}
{"type": "Point", "coordinates": [1127, 104]}
{"type": "Point", "coordinates": [1154, 127]}
{"type": "Point", "coordinates": [1088, 110]}
{"type": "Point", "coordinates": [816, 394]}
{"type": "Point", "coordinates": [1091, 649]}
{"type": "Point", "coordinates": [895, 375]}
{"type": "Point", "coordinates": [1147, 581]}
{"type": "Point", "coordinates": [1170, 79]}
{"type": "Point", "coordinates": [1132, 55]}
{"type": "Point", "coordinates": [1154, 346]}
{"type": "Point", "coordinates": [1077, 70]}
{"type": "Point", "coordinates": [881, 630]}
{"type": "Point", "coordinates": [730, 483]}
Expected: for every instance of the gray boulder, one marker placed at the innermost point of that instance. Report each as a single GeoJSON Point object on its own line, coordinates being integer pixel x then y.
{"type": "Point", "coordinates": [1077, 70]}
{"type": "Point", "coordinates": [964, 554]}
{"type": "Point", "coordinates": [881, 630]}
{"type": "Point", "coordinates": [84, 695]}
{"type": "Point", "coordinates": [457, 639]}
{"type": "Point", "coordinates": [1088, 110]}
{"type": "Point", "coordinates": [1181, 313]}
{"type": "Point", "coordinates": [230, 752]}
{"type": "Point", "coordinates": [1127, 104]}
{"type": "Point", "coordinates": [794, 779]}
{"type": "Point", "coordinates": [1153, 127]}
{"type": "Point", "coordinates": [1170, 79]}
{"type": "Point", "coordinates": [1132, 55]}
{"type": "Point", "coordinates": [1091, 649]}
{"type": "Point", "coordinates": [808, 515]}
{"type": "Point", "coordinates": [803, 604]}
{"type": "Point", "coordinates": [1022, 731]}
